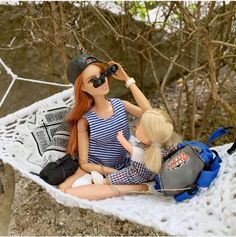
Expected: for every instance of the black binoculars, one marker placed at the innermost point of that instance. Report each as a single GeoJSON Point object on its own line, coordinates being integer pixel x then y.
{"type": "Point", "coordinates": [107, 73]}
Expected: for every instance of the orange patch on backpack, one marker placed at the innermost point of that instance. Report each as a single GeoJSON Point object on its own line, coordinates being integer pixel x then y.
{"type": "Point", "coordinates": [178, 161]}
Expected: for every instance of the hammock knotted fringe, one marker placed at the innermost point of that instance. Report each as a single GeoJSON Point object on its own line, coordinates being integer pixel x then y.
{"type": "Point", "coordinates": [211, 212]}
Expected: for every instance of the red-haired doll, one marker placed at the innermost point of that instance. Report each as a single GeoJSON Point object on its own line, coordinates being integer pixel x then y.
{"type": "Point", "coordinates": [95, 121]}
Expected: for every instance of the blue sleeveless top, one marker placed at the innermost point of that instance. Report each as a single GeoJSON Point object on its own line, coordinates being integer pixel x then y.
{"type": "Point", "coordinates": [104, 148]}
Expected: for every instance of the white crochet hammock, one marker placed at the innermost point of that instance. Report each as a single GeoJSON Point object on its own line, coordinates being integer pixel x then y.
{"type": "Point", "coordinates": [211, 212]}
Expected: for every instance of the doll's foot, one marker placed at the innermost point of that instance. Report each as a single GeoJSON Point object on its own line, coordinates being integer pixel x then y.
{"type": "Point", "coordinates": [149, 188]}
{"type": "Point", "coordinates": [86, 179]}
{"type": "Point", "coordinates": [96, 177]}
{"type": "Point", "coordinates": [146, 188]}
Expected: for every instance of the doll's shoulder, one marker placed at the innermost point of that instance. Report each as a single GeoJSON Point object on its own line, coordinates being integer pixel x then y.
{"type": "Point", "coordinates": [138, 154]}
{"type": "Point", "coordinates": [117, 104]}
{"type": "Point", "coordinates": [115, 100]}
{"type": "Point", "coordinates": [82, 125]}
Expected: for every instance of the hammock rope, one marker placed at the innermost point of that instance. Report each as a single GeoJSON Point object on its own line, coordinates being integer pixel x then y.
{"type": "Point", "coordinates": [15, 78]}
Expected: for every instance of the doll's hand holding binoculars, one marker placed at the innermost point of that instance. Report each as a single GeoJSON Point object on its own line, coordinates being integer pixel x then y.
{"type": "Point", "coordinates": [120, 73]}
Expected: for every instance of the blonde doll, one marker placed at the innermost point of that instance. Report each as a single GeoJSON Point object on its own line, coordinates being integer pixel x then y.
{"type": "Point", "coordinates": [155, 134]}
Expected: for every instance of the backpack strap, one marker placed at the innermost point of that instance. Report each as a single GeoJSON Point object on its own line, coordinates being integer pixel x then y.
{"type": "Point", "coordinates": [158, 183]}
{"type": "Point", "coordinates": [187, 194]}
{"type": "Point", "coordinates": [208, 174]}
{"type": "Point", "coordinates": [232, 148]}
{"type": "Point", "coordinates": [219, 132]}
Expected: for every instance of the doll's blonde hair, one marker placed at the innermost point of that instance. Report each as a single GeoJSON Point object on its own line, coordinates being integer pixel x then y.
{"type": "Point", "coordinates": [158, 128]}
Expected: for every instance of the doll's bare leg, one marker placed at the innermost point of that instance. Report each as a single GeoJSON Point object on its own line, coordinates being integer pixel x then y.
{"type": "Point", "coordinates": [100, 191]}
{"type": "Point", "coordinates": [106, 181]}
{"type": "Point", "coordinates": [70, 180]}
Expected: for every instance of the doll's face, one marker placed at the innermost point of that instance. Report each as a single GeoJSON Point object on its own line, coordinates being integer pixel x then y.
{"type": "Point", "coordinates": [140, 134]}
{"type": "Point", "coordinates": [88, 75]}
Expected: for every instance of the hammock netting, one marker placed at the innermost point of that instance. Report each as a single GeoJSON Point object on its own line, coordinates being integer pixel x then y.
{"type": "Point", "coordinates": [212, 211]}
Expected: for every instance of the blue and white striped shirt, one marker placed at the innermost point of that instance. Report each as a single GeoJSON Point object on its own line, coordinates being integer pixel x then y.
{"type": "Point", "coordinates": [104, 148]}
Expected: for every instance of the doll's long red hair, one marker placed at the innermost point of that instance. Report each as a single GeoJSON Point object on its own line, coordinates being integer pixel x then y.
{"type": "Point", "coordinates": [83, 102]}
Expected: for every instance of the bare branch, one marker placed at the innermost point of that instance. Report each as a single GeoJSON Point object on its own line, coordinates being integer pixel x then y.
{"type": "Point", "coordinates": [223, 43]}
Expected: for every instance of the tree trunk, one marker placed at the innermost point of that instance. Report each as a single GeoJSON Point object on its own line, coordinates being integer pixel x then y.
{"type": "Point", "coordinates": [7, 190]}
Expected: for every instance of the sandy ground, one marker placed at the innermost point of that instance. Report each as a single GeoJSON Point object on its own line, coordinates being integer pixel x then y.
{"type": "Point", "coordinates": [34, 212]}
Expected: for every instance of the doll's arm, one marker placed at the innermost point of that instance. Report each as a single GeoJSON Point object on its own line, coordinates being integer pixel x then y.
{"type": "Point", "coordinates": [83, 146]}
{"type": "Point", "coordinates": [139, 97]}
{"type": "Point", "coordinates": [128, 147]}
{"type": "Point", "coordinates": [132, 109]}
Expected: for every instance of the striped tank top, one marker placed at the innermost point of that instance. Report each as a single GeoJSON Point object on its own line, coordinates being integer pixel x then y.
{"type": "Point", "coordinates": [104, 148]}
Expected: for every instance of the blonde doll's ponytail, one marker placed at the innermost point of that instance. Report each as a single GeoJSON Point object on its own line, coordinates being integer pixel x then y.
{"type": "Point", "coordinates": [158, 128]}
{"type": "Point", "coordinates": [153, 159]}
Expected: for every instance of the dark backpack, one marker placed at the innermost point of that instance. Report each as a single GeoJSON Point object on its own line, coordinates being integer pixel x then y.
{"type": "Point", "coordinates": [191, 166]}
{"type": "Point", "coordinates": [56, 172]}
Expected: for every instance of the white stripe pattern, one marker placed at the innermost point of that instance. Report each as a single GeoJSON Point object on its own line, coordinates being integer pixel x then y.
{"type": "Point", "coordinates": [104, 148]}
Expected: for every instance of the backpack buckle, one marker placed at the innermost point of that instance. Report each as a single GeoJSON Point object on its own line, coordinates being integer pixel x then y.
{"type": "Point", "coordinates": [192, 190]}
